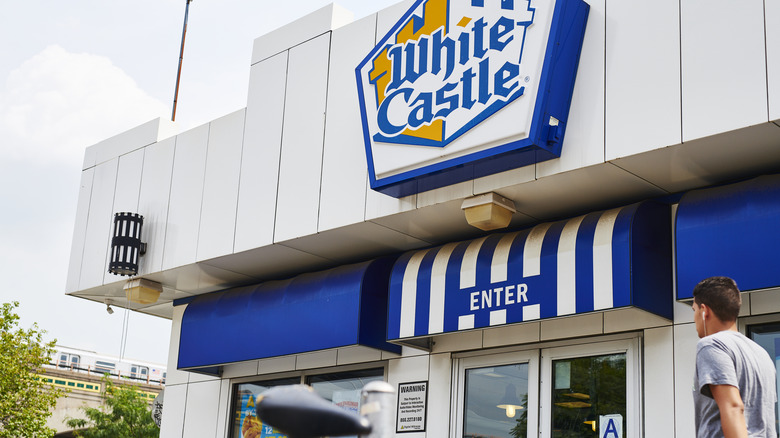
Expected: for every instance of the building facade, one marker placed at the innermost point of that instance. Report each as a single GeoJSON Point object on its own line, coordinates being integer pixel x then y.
{"type": "Point", "coordinates": [298, 240]}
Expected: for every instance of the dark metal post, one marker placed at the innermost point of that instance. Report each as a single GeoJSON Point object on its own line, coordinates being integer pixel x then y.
{"type": "Point", "coordinates": [181, 58]}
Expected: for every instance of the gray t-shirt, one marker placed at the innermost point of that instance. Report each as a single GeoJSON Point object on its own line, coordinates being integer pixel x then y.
{"type": "Point", "coordinates": [729, 358]}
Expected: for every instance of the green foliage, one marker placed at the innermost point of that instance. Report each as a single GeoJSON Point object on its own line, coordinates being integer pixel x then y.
{"type": "Point", "coordinates": [124, 414]}
{"type": "Point", "coordinates": [26, 401]}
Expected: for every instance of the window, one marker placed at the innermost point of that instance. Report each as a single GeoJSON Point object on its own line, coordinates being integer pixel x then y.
{"type": "Point", "coordinates": [584, 389]}
{"type": "Point", "coordinates": [104, 367]}
{"type": "Point", "coordinates": [499, 395]}
{"type": "Point", "coordinates": [343, 389]}
{"type": "Point", "coordinates": [139, 372]}
{"type": "Point", "coordinates": [340, 388]}
{"type": "Point", "coordinates": [245, 422]}
{"type": "Point", "coordinates": [67, 360]}
{"type": "Point", "coordinates": [768, 336]}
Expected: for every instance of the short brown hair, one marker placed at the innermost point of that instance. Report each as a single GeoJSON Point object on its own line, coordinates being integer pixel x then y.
{"type": "Point", "coordinates": [720, 294]}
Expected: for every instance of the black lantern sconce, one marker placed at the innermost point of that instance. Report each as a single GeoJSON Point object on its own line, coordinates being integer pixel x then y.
{"type": "Point", "coordinates": [126, 245]}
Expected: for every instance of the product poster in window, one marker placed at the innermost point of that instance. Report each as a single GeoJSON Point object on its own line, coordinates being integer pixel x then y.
{"type": "Point", "coordinates": [412, 404]}
{"type": "Point", "coordinates": [251, 426]}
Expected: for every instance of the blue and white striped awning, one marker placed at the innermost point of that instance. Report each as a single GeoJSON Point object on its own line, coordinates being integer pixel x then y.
{"type": "Point", "coordinates": [599, 261]}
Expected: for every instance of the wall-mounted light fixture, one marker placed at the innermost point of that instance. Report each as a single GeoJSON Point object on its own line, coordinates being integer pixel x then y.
{"type": "Point", "coordinates": [510, 402]}
{"type": "Point", "coordinates": [126, 245]}
{"type": "Point", "coordinates": [142, 291]}
{"type": "Point", "coordinates": [488, 211]}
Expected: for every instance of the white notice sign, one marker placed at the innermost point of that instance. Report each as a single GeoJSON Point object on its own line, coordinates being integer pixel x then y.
{"type": "Point", "coordinates": [412, 398]}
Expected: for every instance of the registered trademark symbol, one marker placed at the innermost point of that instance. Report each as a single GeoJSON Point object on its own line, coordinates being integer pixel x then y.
{"type": "Point", "coordinates": [527, 79]}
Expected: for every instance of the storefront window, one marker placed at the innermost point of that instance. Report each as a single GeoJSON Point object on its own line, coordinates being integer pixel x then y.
{"type": "Point", "coordinates": [496, 401]}
{"type": "Point", "coordinates": [245, 422]}
{"type": "Point", "coordinates": [589, 394]}
{"type": "Point", "coordinates": [768, 336]}
{"type": "Point", "coordinates": [342, 389]}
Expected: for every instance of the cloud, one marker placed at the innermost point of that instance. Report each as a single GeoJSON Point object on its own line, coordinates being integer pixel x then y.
{"type": "Point", "coordinates": [58, 103]}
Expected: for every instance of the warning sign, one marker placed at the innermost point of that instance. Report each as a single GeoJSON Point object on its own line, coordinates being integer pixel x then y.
{"type": "Point", "coordinates": [412, 399]}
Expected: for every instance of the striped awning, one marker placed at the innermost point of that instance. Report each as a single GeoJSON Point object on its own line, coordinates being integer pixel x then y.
{"type": "Point", "coordinates": [599, 261]}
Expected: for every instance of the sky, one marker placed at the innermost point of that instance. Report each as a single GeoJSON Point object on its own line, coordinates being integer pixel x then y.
{"type": "Point", "coordinates": [77, 72]}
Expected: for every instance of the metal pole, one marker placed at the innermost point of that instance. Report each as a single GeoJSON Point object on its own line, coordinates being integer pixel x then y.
{"type": "Point", "coordinates": [376, 404]}
{"type": "Point", "coordinates": [181, 58]}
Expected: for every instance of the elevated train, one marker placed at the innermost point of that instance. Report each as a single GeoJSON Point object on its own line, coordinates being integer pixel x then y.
{"type": "Point", "coordinates": [90, 362]}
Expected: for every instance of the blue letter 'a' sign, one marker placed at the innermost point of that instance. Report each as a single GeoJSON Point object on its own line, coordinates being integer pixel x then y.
{"type": "Point", "coordinates": [611, 431]}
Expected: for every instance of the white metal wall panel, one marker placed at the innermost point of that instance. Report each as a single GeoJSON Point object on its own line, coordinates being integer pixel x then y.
{"type": "Point", "coordinates": [130, 140]}
{"type": "Point", "coordinates": [79, 230]}
{"type": "Point", "coordinates": [174, 376]}
{"type": "Point", "coordinates": [723, 66]}
{"type": "Point", "coordinates": [772, 25]}
{"type": "Point", "coordinates": [189, 166]}
{"type": "Point", "coordinates": [202, 408]}
{"type": "Point", "coordinates": [173, 415]}
{"type": "Point", "coordinates": [584, 142]}
{"type": "Point", "coordinates": [643, 76]}
{"type": "Point", "coordinates": [439, 395]}
{"type": "Point", "coordinates": [378, 204]}
{"type": "Point", "coordinates": [220, 190]}
{"type": "Point", "coordinates": [99, 223]}
{"type": "Point", "coordinates": [344, 171]}
{"type": "Point", "coordinates": [303, 29]}
{"type": "Point", "coordinates": [685, 339]}
{"type": "Point", "coordinates": [407, 369]}
{"type": "Point", "coordinates": [300, 169]}
{"type": "Point", "coordinates": [224, 413]}
{"type": "Point", "coordinates": [260, 158]}
{"type": "Point", "coordinates": [659, 382]}
{"type": "Point", "coordinates": [153, 201]}
{"type": "Point", "coordinates": [128, 187]}
{"type": "Point", "coordinates": [317, 359]}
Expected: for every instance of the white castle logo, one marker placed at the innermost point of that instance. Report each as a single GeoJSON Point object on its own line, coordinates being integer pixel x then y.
{"type": "Point", "coordinates": [445, 68]}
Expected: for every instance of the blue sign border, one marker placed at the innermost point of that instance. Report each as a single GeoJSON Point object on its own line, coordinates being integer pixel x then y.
{"type": "Point", "coordinates": [543, 143]}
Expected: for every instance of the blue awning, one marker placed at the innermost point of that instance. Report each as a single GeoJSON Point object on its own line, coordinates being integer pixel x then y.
{"type": "Point", "coordinates": [600, 261]}
{"type": "Point", "coordinates": [340, 307]}
{"type": "Point", "coordinates": [731, 230]}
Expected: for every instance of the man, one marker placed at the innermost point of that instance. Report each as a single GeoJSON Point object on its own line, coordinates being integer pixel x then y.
{"type": "Point", "coordinates": [734, 384]}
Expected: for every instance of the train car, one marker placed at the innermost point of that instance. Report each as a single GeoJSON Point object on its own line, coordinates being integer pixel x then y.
{"type": "Point", "coordinates": [86, 361]}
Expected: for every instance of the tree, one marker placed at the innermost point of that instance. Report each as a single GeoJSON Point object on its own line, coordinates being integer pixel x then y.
{"type": "Point", "coordinates": [123, 414]}
{"type": "Point", "coordinates": [26, 400]}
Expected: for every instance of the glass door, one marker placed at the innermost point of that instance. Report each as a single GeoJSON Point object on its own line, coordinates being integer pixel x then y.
{"type": "Point", "coordinates": [590, 391]}
{"type": "Point", "coordinates": [583, 391]}
{"type": "Point", "coordinates": [498, 396]}
{"type": "Point", "coordinates": [768, 336]}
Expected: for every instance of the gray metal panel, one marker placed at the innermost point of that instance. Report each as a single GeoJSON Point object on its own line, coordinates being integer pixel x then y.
{"type": "Point", "coordinates": [300, 170]}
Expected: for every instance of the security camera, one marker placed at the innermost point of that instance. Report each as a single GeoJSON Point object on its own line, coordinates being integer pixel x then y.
{"type": "Point", "coordinates": [108, 307]}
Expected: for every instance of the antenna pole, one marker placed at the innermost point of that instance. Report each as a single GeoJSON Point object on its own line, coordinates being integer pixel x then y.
{"type": "Point", "coordinates": [181, 58]}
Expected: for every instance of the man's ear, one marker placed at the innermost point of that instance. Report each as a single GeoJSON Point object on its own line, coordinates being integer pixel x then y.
{"type": "Point", "coordinates": [704, 311]}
